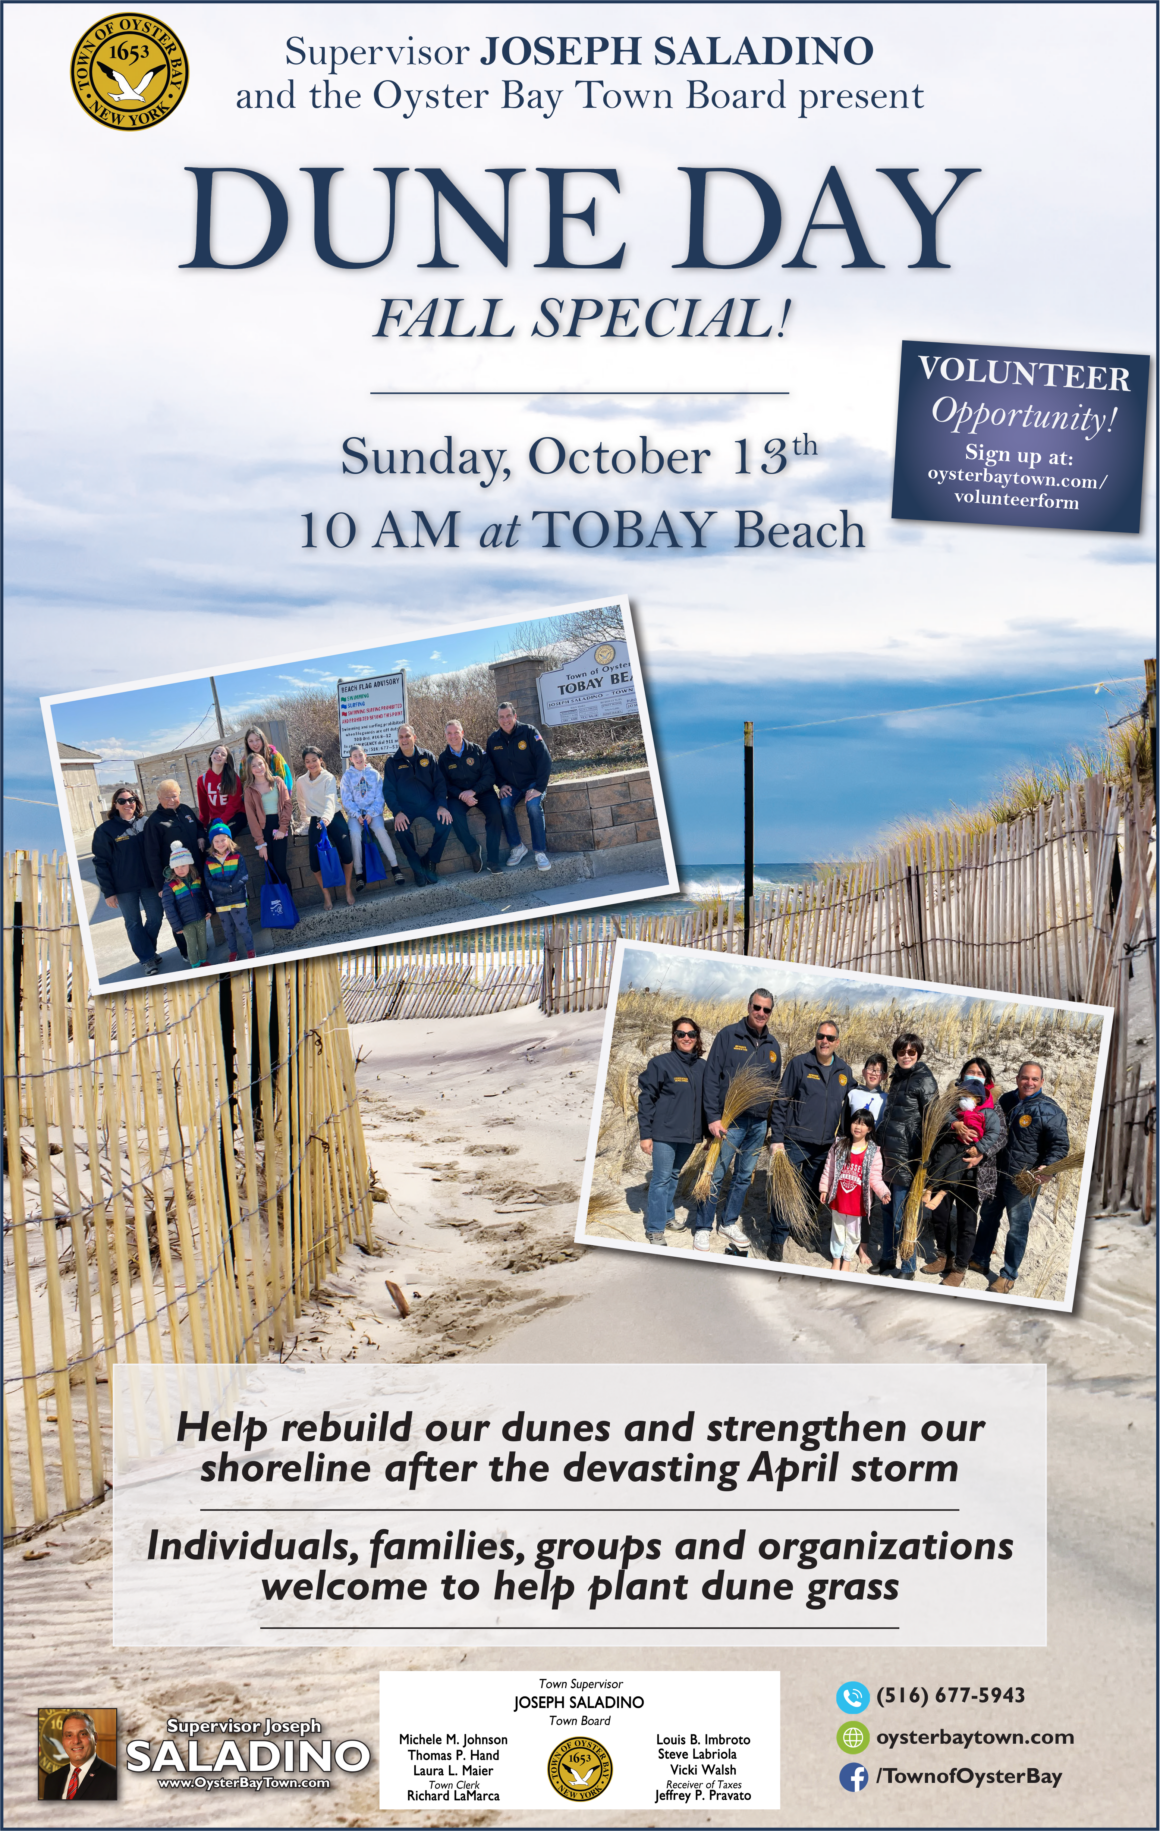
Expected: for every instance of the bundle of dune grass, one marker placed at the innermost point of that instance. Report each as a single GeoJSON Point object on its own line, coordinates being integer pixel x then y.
{"type": "Point", "coordinates": [786, 1192]}
{"type": "Point", "coordinates": [1027, 1184]}
{"type": "Point", "coordinates": [933, 1120]}
{"type": "Point", "coordinates": [748, 1090]}
{"type": "Point", "coordinates": [692, 1166]}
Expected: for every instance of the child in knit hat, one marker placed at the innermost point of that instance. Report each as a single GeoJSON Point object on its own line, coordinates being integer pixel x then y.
{"type": "Point", "coordinates": [184, 900]}
{"type": "Point", "coordinates": [226, 880]}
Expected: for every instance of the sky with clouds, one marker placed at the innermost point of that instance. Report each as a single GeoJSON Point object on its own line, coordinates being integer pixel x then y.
{"type": "Point", "coordinates": [168, 429]}
{"type": "Point", "coordinates": [718, 976]}
{"type": "Point", "coordinates": [143, 720]}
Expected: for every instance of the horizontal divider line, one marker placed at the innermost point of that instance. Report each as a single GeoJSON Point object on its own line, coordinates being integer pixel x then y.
{"type": "Point", "coordinates": [579, 394]}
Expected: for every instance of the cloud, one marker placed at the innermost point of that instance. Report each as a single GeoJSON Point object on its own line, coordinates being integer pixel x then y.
{"type": "Point", "coordinates": [23, 512]}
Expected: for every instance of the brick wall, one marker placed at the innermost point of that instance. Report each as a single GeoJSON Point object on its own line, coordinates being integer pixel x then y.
{"type": "Point", "coordinates": [590, 813]}
{"type": "Point", "coordinates": [585, 814]}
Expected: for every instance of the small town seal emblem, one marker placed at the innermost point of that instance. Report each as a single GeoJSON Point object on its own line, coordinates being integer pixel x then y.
{"type": "Point", "coordinates": [579, 1768]}
{"type": "Point", "coordinates": [129, 71]}
{"type": "Point", "coordinates": [604, 654]}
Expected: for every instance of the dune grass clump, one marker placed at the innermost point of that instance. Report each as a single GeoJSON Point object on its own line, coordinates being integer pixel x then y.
{"type": "Point", "coordinates": [747, 1090]}
{"type": "Point", "coordinates": [786, 1192]}
{"type": "Point", "coordinates": [933, 1120]}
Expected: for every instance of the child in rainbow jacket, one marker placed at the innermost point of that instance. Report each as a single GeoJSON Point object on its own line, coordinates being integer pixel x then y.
{"type": "Point", "coordinates": [226, 881]}
{"type": "Point", "coordinates": [184, 900]}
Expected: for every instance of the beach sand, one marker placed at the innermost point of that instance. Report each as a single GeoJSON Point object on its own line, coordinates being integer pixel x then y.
{"type": "Point", "coordinates": [477, 1129]}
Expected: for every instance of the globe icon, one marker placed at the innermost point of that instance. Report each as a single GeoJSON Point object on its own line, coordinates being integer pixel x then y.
{"type": "Point", "coordinates": [853, 1737]}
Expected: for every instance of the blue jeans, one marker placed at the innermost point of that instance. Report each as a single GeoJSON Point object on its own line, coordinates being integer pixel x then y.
{"type": "Point", "coordinates": [668, 1160]}
{"type": "Point", "coordinates": [508, 805]}
{"type": "Point", "coordinates": [142, 914]}
{"type": "Point", "coordinates": [1019, 1208]}
{"type": "Point", "coordinates": [893, 1222]}
{"type": "Point", "coordinates": [743, 1140]}
{"type": "Point", "coordinates": [489, 807]}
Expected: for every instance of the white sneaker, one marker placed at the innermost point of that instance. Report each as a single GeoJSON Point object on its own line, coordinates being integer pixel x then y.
{"type": "Point", "coordinates": [515, 855]}
{"type": "Point", "coordinates": [736, 1232]}
{"type": "Point", "coordinates": [703, 1240]}
{"type": "Point", "coordinates": [543, 862]}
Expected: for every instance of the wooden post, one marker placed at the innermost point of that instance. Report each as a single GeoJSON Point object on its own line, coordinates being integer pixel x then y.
{"type": "Point", "coordinates": [748, 779]}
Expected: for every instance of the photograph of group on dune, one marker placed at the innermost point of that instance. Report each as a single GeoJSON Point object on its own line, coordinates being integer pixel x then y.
{"type": "Point", "coordinates": [771, 1114]}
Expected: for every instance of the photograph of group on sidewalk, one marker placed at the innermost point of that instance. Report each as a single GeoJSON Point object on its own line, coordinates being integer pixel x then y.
{"type": "Point", "coordinates": [838, 1123]}
{"type": "Point", "coordinates": [338, 800]}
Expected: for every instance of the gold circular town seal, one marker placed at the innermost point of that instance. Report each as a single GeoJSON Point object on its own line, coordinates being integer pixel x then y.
{"type": "Point", "coordinates": [579, 1768]}
{"type": "Point", "coordinates": [129, 71]}
{"type": "Point", "coordinates": [604, 654]}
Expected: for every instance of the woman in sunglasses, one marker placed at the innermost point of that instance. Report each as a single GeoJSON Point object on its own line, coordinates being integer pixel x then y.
{"type": "Point", "coordinates": [912, 1088]}
{"type": "Point", "coordinates": [671, 1122]}
{"type": "Point", "coordinates": [123, 874]}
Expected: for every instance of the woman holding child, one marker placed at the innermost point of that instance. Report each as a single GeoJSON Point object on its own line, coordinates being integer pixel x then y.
{"type": "Point", "coordinates": [962, 1171]}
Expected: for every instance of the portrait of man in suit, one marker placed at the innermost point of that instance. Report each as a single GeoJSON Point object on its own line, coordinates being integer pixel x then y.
{"type": "Point", "coordinates": [82, 1774]}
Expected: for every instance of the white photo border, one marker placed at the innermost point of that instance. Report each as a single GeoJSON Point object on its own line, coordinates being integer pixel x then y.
{"type": "Point", "coordinates": [826, 975]}
{"type": "Point", "coordinates": [361, 942]}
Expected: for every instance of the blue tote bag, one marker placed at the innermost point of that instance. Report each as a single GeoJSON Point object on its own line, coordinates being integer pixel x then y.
{"type": "Point", "coordinates": [277, 904]}
{"type": "Point", "coordinates": [329, 863]}
{"type": "Point", "coordinates": [374, 870]}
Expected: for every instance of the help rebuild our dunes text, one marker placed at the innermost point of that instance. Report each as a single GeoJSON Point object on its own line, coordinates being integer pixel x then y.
{"type": "Point", "coordinates": [763, 1506]}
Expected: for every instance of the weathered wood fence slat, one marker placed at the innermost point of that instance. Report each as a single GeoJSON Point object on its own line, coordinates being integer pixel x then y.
{"type": "Point", "coordinates": [183, 1165]}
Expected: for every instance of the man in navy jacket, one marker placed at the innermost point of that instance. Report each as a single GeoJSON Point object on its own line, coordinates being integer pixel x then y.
{"type": "Point", "coordinates": [413, 788]}
{"type": "Point", "coordinates": [744, 1045]}
{"type": "Point", "coordinates": [522, 767]}
{"type": "Point", "coordinates": [470, 779]}
{"type": "Point", "coordinates": [806, 1115]}
{"type": "Point", "coordinates": [1036, 1137]}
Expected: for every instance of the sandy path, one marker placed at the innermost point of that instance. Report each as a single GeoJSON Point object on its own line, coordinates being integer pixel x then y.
{"type": "Point", "coordinates": [491, 1256]}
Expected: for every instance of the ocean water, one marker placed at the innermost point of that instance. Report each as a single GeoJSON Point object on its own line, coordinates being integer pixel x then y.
{"type": "Point", "coordinates": [699, 882]}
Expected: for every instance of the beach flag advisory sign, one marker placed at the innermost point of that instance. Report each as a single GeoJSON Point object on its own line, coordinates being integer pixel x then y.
{"type": "Point", "coordinates": [370, 712]}
{"type": "Point", "coordinates": [1022, 437]}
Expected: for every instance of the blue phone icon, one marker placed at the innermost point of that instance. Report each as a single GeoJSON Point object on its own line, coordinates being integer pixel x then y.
{"type": "Point", "coordinates": [853, 1696]}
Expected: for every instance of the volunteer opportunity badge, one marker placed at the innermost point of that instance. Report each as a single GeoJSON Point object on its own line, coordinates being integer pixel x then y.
{"type": "Point", "coordinates": [129, 71]}
{"type": "Point", "coordinates": [579, 1768]}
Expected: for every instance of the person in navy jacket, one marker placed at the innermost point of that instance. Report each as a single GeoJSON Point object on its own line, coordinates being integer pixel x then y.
{"type": "Point", "coordinates": [748, 1044]}
{"type": "Point", "coordinates": [670, 1115]}
{"type": "Point", "coordinates": [470, 779]}
{"type": "Point", "coordinates": [1036, 1137]}
{"type": "Point", "coordinates": [522, 767]}
{"type": "Point", "coordinates": [413, 788]}
{"type": "Point", "coordinates": [806, 1116]}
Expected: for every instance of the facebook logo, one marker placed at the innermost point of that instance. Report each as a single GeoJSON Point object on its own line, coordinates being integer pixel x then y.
{"type": "Point", "coordinates": [854, 1777]}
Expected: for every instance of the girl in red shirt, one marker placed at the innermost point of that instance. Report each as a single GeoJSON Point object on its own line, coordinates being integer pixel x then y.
{"type": "Point", "coordinates": [219, 792]}
{"type": "Point", "coordinates": [850, 1180]}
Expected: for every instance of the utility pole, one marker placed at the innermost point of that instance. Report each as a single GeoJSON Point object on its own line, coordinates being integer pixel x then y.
{"type": "Point", "coordinates": [748, 828]}
{"type": "Point", "coordinates": [217, 706]}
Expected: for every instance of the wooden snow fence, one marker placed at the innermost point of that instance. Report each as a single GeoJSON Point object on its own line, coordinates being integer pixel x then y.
{"type": "Point", "coordinates": [1056, 904]}
{"type": "Point", "coordinates": [183, 1167]}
